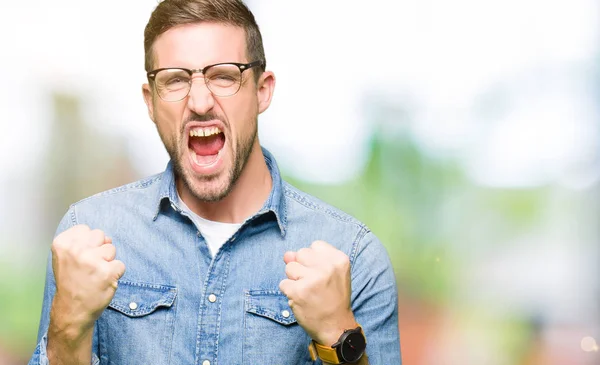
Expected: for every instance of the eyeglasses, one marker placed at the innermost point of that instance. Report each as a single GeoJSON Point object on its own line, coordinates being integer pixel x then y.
{"type": "Point", "coordinates": [223, 79]}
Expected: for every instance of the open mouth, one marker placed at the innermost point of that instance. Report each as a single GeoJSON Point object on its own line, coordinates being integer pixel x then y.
{"type": "Point", "coordinates": [205, 144]}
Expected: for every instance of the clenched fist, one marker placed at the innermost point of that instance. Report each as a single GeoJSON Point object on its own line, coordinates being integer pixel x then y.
{"type": "Point", "coordinates": [86, 274]}
{"type": "Point", "coordinates": [318, 288]}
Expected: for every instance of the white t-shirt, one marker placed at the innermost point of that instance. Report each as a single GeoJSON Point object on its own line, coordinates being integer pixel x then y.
{"type": "Point", "coordinates": [215, 233]}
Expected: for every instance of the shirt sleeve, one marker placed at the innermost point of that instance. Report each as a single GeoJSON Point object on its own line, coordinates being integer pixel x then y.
{"type": "Point", "coordinates": [375, 300]}
{"type": "Point", "coordinates": [40, 356]}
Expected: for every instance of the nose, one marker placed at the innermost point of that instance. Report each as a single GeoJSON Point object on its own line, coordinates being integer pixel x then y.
{"type": "Point", "coordinates": [200, 99]}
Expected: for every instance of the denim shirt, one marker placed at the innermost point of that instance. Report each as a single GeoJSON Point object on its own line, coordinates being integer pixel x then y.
{"type": "Point", "coordinates": [176, 304]}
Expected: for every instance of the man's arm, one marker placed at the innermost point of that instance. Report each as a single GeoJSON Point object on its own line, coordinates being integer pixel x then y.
{"type": "Point", "coordinates": [375, 300]}
{"type": "Point", "coordinates": [81, 279]}
{"type": "Point", "coordinates": [327, 296]}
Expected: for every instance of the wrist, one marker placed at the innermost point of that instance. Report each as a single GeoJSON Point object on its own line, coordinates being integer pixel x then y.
{"type": "Point", "coordinates": [68, 326]}
{"type": "Point", "coordinates": [69, 346]}
{"type": "Point", "coordinates": [329, 336]}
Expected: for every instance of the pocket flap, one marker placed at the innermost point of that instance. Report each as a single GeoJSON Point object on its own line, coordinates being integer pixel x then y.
{"type": "Point", "coordinates": [139, 299]}
{"type": "Point", "coordinates": [272, 304]}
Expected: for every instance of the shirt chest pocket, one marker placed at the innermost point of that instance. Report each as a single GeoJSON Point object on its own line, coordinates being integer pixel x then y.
{"type": "Point", "coordinates": [271, 332]}
{"type": "Point", "coordinates": [137, 327]}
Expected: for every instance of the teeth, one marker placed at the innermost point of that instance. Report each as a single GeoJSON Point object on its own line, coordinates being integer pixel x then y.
{"type": "Point", "coordinates": [204, 132]}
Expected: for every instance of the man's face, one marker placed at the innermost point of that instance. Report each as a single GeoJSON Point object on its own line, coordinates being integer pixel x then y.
{"type": "Point", "coordinates": [208, 138]}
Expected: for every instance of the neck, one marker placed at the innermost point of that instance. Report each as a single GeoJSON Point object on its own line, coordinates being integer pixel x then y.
{"type": "Point", "coordinates": [247, 196]}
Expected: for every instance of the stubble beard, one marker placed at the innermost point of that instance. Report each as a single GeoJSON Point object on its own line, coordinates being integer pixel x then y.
{"type": "Point", "coordinates": [210, 188]}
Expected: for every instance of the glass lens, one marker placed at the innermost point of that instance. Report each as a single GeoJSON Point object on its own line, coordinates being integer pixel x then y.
{"type": "Point", "coordinates": [172, 84]}
{"type": "Point", "coordinates": [223, 80]}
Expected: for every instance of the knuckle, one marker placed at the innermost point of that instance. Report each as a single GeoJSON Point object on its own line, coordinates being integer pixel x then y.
{"type": "Point", "coordinates": [303, 252]}
{"type": "Point", "coordinates": [319, 244]}
{"type": "Point", "coordinates": [108, 276]}
{"type": "Point", "coordinates": [86, 258]}
{"type": "Point", "coordinates": [120, 265]}
{"type": "Point", "coordinates": [97, 233]}
{"type": "Point", "coordinates": [342, 260]}
{"type": "Point", "coordinates": [289, 271]}
{"type": "Point", "coordinates": [58, 244]}
{"type": "Point", "coordinates": [62, 245]}
{"type": "Point", "coordinates": [105, 272]}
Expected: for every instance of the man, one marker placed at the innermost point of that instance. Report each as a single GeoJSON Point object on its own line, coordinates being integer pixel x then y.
{"type": "Point", "coordinates": [216, 260]}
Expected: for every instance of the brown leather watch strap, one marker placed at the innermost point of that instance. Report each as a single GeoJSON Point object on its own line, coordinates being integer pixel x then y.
{"type": "Point", "coordinates": [325, 353]}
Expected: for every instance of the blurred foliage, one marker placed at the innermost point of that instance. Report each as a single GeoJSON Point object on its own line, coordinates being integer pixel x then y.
{"type": "Point", "coordinates": [21, 305]}
{"type": "Point", "coordinates": [424, 210]}
{"type": "Point", "coordinates": [398, 198]}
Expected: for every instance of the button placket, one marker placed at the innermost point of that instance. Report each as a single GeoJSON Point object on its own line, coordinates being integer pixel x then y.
{"type": "Point", "coordinates": [209, 322]}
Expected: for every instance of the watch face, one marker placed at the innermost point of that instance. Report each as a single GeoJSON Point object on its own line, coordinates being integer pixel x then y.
{"type": "Point", "coordinates": [353, 347]}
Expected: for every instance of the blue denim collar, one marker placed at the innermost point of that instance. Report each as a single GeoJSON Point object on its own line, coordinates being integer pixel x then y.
{"type": "Point", "coordinates": [275, 202]}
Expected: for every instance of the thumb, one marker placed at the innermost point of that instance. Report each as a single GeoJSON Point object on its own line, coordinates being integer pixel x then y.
{"type": "Point", "coordinates": [289, 256]}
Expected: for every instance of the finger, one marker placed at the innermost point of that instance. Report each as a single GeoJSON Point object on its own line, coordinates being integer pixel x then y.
{"type": "Point", "coordinates": [117, 267]}
{"type": "Point", "coordinates": [321, 246]}
{"type": "Point", "coordinates": [295, 270]}
{"type": "Point", "coordinates": [286, 286]}
{"type": "Point", "coordinates": [306, 256]}
{"type": "Point", "coordinates": [71, 234]}
{"type": "Point", "coordinates": [289, 257]}
{"type": "Point", "coordinates": [107, 251]}
{"type": "Point", "coordinates": [107, 240]}
{"type": "Point", "coordinates": [95, 238]}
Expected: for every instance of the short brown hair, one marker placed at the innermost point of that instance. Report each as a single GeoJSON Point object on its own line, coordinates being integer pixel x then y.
{"type": "Point", "coordinates": [172, 13]}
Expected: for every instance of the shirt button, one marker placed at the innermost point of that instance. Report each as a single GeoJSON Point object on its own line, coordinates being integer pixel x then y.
{"type": "Point", "coordinates": [285, 313]}
{"type": "Point", "coordinates": [133, 306]}
{"type": "Point", "coordinates": [211, 298]}
{"type": "Point", "coordinates": [205, 362]}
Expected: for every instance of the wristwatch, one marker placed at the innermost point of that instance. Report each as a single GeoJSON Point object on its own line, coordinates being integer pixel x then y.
{"type": "Point", "coordinates": [348, 349]}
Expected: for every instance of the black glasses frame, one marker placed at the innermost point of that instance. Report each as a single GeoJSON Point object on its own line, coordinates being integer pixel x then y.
{"type": "Point", "coordinates": [242, 67]}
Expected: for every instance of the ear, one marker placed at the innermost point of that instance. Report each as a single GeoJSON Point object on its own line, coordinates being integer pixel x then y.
{"type": "Point", "coordinates": [149, 100]}
{"type": "Point", "coordinates": [264, 90]}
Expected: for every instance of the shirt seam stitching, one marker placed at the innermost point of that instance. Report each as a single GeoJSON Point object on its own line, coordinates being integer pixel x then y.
{"type": "Point", "coordinates": [292, 193]}
{"type": "Point", "coordinates": [355, 245]}
{"type": "Point", "coordinates": [138, 185]}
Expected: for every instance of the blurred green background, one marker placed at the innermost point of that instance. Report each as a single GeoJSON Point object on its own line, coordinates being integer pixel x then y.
{"type": "Point", "coordinates": [464, 134]}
